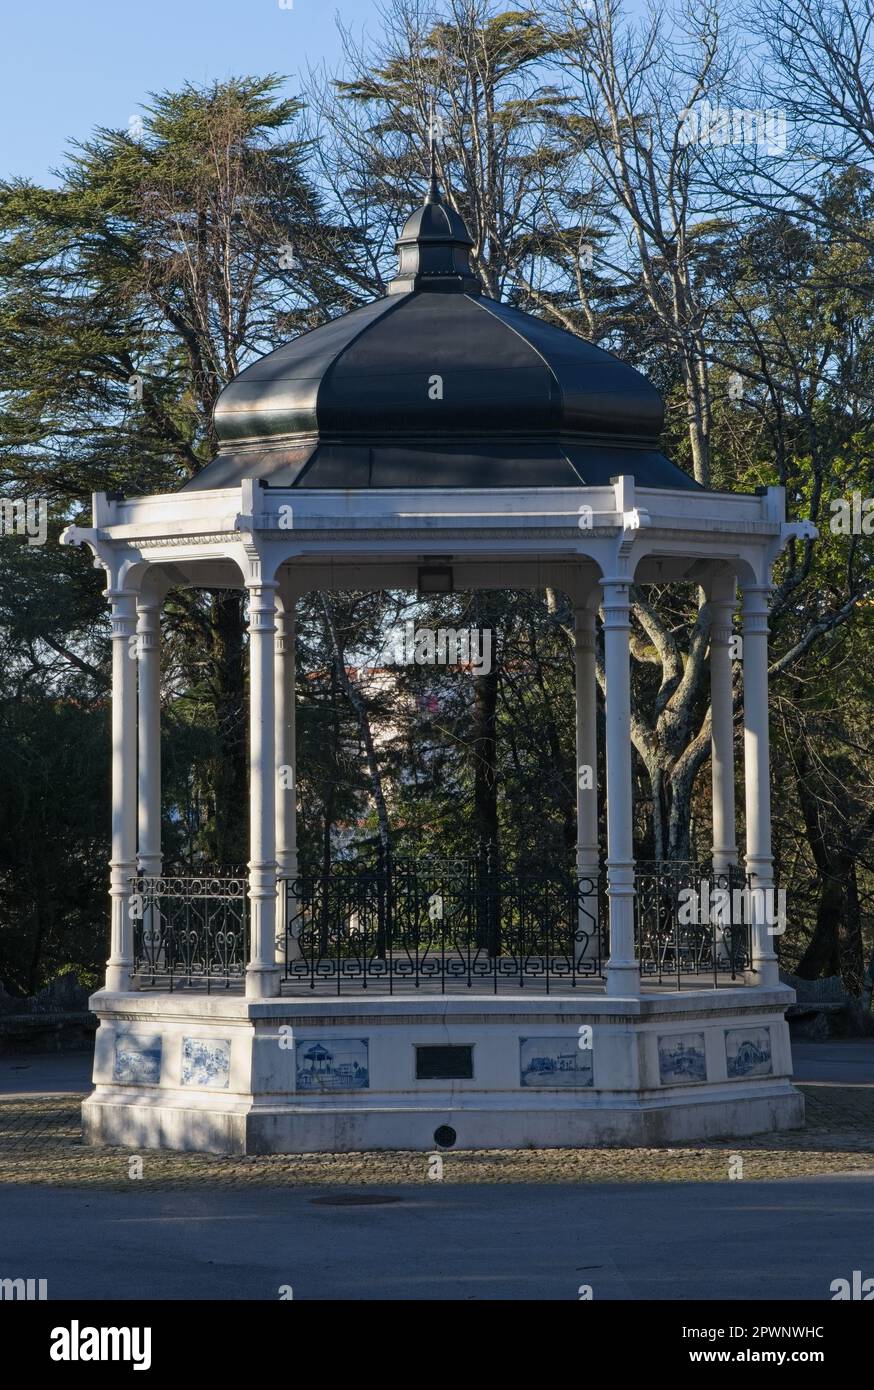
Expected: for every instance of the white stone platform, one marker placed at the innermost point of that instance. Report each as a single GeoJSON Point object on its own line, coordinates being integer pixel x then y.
{"type": "Point", "coordinates": [232, 1075]}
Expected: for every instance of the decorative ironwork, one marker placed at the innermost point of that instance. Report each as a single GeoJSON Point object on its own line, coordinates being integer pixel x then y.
{"type": "Point", "coordinates": [190, 930]}
{"type": "Point", "coordinates": [443, 922]}
{"type": "Point", "coordinates": [691, 920]}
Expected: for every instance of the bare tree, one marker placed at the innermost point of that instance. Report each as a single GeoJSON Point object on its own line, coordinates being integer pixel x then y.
{"type": "Point", "coordinates": [817, 69]}
{"type": "Point", "coordinates": [631, 88]}
{"type": "Point", "coordinates": [474, 77]}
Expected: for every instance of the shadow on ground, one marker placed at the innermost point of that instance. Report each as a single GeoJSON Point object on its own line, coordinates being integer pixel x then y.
{"type": "Point", "coordinates": [40, 1143]}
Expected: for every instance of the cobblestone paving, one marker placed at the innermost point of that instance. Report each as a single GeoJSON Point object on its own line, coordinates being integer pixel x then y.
{"type": "Point", "coordinates": [40, 1142]}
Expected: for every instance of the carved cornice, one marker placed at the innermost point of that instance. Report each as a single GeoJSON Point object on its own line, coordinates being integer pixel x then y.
{"type": "Point", "coordinates": [194, 538]}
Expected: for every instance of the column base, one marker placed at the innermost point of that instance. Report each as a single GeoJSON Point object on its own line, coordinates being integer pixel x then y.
{"type": "Point", "coordinates": [120, 979]}
{"type": "Point", "coordinates": [766, 973]}
{"type": "Point", "coordinates": [623, 978]}
{"type": "Point", "coordinates": [262, 983]}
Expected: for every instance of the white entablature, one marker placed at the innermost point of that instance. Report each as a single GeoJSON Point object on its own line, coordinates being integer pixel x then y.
{"type": "Point", "coordinates": [639, 533]}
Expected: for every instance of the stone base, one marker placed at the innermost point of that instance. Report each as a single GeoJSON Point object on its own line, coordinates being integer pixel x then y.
{"type": "Point", "coordinates": [236, 1076]}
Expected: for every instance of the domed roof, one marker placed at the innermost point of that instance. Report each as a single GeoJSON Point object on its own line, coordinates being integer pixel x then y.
{"type": "Point", "coordinates": [437, 385]}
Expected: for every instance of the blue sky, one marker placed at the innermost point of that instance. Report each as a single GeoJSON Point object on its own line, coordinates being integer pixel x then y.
{"type": "Point", "coordinates": [68, 67]}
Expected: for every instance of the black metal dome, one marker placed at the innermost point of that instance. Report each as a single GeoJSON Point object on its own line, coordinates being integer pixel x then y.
{"type": "Point", "coordinates": [436, 385]}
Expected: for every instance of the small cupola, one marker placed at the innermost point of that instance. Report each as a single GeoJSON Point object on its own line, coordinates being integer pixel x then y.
{"type": "Point", "coordinates": [434, 249]}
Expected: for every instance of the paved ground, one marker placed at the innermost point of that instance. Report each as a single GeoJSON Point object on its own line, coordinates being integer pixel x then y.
{"type": "Point", "coordinates": [443, 1241]}
{"type": "Point", "coordinates": [847, 1062]}
{"type": "Point", "coordinates": [45, 1073]}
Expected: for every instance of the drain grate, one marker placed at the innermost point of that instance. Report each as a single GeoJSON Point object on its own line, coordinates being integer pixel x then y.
{"type": "Point", "coordinates": [354, 1199]}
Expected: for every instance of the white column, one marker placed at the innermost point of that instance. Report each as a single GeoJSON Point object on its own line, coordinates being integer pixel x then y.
{"type": "Point", "coordinates": [149, 723]}
{"type": "Point", "coordinates": [722, 735]}
{"type": "Point", "coordinates": [757, 775]}
{"type": "Point", "coordinates": [119, 967]}
{"type": "Point", "coordinates": [262, 975]}
{"type": "Point", "coordinates": [286, 777]}
{"type": "Point", "coordinates": [623, 973]}
{"type": "Point", "coordinates": [149, 765]}
{"type": "Point", "coordinates": [587, 778]}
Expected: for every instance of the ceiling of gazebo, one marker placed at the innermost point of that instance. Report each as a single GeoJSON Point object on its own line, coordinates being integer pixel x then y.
{"type": "Point", "coordinates": [436, 385]}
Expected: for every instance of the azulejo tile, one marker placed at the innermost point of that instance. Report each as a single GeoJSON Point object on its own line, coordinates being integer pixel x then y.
{"type": "Point", "coordinates": [682, 1059]}
{"type": "Point", "coordinates": [332, 1064]}
{"type": "Point", "coordinates": [137, 1060]}
{"type": "Point", "coordinates": [206, 1062]}
{"type": "Point", "coordinates": [555, 1063]}
{"type": "Point", "coordinates": [748, 1052]}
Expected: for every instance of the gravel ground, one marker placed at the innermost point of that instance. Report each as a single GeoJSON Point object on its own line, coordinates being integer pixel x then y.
{"type": "Point", "coordinates": [40, 1143]}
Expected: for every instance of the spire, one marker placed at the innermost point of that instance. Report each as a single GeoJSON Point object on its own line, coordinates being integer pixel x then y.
{"type": "Point", "coordinates": [434, 246]}
{"type": "Point", "coordinates": [433, 187]}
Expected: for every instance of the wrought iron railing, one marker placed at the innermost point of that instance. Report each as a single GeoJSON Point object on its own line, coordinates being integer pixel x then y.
{"type": "Point", "coordinates": [190, 930]}
{"type": "Point", "coordinates": [442, 923]}
{"type": "Point", "coordinates": [691, 920]}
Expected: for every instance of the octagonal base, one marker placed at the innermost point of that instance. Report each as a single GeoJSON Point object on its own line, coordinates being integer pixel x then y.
{"type": "Point", "coordinates": [236, 1076]}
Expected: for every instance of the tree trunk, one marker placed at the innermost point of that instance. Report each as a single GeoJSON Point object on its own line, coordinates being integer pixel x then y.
{"type": "Point", "coordinates": [657, 787]}
{"type": "Point", "coordinates": [680, 815]}
{"type": "Point", "coordinates": [850, 934]}
{"type": "Point", "coordinates": [822, 956]}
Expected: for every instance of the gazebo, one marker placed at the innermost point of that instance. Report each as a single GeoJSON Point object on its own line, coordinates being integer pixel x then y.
{"type": "Point", "coordinates": [436, 440]}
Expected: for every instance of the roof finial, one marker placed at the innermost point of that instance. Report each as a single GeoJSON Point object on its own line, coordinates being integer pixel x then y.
{"type": "Point", "coordinates": [433, 189]}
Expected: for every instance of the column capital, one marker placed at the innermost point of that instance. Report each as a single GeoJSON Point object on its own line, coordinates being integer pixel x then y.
{"type": "Point", "coordinates": [721, 623]}
{"type": "Point", "coordinates": [584, 628]}
{"type": "Point", "coordinates": [263, 609]}
{"type": "Point", "coordinates": [123, 616]}
{"type": "Point", "coordinates": [148, 627]}
{"type": "Point", "coordinates": [616, 603]}
{"type": "Point", "coordinates": [756, 598]}
{"type": "Point", "coordinates": [285, 624]}
{"type": "Point", "coordinates": [755, 623]}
